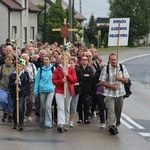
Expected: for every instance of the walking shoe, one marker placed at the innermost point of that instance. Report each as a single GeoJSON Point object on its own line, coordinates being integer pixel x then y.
{"type": "Point", "coordinates": [4, 117]}
{"type": "Point", "coordinates": [66, 128]}
{"type": "Point", "coordinates": [29, 119]}
{"type": "Point", "coordinates": [112, 130]}
{"type": "Point", "coordinates": [20, 128]}
{"type": "Point", "coordinates": [86, 122]}
{"type": "Point", "coordinates": [79, 121]}
{"type": "Point", "coordinates": [60, 128]}
{"type": "Point", "coordinates": [102, 125]}
{"type": "Point", "coordinates": [71, 124]}
{"type": "Point", "coordinates": [15, 126]}
{"type": "Point", "coordinates": [10, 119]}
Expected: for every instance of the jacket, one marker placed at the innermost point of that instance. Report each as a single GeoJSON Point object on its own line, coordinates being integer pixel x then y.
{"type": "Point", "coordinates": [22, 85]}
{"type": "Point", "coordinates": [58, 80]}
{"type": "Point", "coordinates": [86, 86]}
{"type": "Point", "coordinates": [43, 80]}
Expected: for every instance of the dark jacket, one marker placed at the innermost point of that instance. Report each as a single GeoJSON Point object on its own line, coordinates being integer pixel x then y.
{"type": "Point", "coordinates": [79, 79]}
{"type": "Point", "coordinates": [87, 80]}
{"type": "Point", "coordinates": [22, 85]}
{"type": "Point", "coordinates": [38, 63]}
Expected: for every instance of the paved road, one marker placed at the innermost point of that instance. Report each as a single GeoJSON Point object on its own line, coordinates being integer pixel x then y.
{"type": "Point", "coordinates": [90, 137]}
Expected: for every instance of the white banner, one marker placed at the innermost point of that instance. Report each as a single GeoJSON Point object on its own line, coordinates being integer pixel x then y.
{"type": "Point", "coordinates": [123, 33]}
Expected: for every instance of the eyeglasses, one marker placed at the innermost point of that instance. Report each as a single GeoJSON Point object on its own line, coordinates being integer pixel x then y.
{"type": "Point", "coordinates": [84, 59]}
{"type": "Point", "coordinates": [88, 56]}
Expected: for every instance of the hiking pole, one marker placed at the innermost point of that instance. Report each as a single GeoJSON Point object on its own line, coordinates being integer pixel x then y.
{"type": "Point", "coordinates": [17, 93]}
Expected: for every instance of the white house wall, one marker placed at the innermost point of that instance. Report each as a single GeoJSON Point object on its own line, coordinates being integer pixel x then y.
{"type": "Point", "coordinates": [4, 24]}
{"type": "Point", "coordinates": [32, 23]}
{"type": "Point", "coordinates": [15, 21]}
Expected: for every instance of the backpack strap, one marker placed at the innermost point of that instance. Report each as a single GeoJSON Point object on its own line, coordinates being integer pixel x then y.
{"type": "Point", "coordinates": [52, 69]}
{"type": "Point", "coordinates": [107, 71]}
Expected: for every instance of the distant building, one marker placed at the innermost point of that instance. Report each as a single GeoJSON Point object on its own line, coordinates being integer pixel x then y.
{"type": "Point", "coordinates": [18, 18]}
{"type": "Point", "coordinates": [102, 21]}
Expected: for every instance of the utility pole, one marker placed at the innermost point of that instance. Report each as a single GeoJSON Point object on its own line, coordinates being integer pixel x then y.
{"type": "Point", "coordinates": [71, 18]}
{"type": "Point", "coordinates": [44, 20]}
{"type": "Point", "coordinates": [80, 7]}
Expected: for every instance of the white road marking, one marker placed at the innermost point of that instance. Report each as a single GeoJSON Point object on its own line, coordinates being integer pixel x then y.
{"type": "Point", "coordinates": [145, 134]}
{"type": "Point", "coordinates": [132, 122]}
{"type": "Point", "coordinates": [134, 57]}
{"type": "Point", "coordinates": [126, 124]}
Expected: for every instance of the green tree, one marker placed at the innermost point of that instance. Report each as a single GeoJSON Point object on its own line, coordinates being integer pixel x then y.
{"type": "Point", "coordinates": [56, 15]}
{"type": "Point", "coordinates": [138, 11]}
{"type": "Point", "coordinates": [91, 31]}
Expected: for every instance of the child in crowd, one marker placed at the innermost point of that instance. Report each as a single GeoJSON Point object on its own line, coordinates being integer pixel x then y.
{"type": "Point", "coordinates": [18, 85]}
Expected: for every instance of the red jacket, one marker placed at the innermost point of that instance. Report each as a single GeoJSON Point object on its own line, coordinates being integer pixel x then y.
{"type": "Point", "coordinates": [58, 76]}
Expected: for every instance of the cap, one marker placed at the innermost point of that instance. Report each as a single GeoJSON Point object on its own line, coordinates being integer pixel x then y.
{"type": "Point", "coordinates": [22, 61]}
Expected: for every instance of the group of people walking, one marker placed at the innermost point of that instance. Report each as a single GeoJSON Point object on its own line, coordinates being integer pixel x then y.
{"type": "Point", "coordinates": [73, 81]}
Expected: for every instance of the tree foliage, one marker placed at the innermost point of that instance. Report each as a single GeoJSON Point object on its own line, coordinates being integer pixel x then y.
{"type": "Point", "coordinates": [91, 32]}
{"type": "Point", "coordinates": [138, 11]}
{"type": "Point", "coordinates": [54, 19]}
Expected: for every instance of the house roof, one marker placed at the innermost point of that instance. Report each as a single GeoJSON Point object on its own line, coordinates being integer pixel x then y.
{"type": "Point", "coordinates": [78, 15]}
{"type": "Point", "coordinates": [102, 20]}
{"type": "Point", "coordinates": [12, 4]}
{"type": "Point", "coordinates": [33, 8]}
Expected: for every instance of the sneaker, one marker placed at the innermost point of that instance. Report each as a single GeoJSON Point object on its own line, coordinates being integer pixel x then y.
{"type": "Point", "coordinates": [60, 128]}
{"type": "Point", "coordinates": [15, 126]}
{"type": "Point", "coordinates": [4, 117]}
{"type": "Point", "coordinates": [71, 124]}
{"type": "Point", "coordinates": [95, 115]}
{"type": "Point", "coordinates": [66, 128]}
{"type": "Point", "coordinates": [20, 128]}
{"type": "Point", "coordinates": [86, 122]}
{"type": "Point", "coordinates": [10, 119]}
{"type": "Point", "coordinates": [112, 130]}
{"type": "Point", "coordinates": [102, 125]}
{"type": "Point", "coordinates": [29, 119]}
{"type": "Point", "coordinates": [79, 121]}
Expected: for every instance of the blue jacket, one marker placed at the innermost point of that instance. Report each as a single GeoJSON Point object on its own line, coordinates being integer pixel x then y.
{"type": "Point", "coordinates": [43, 81]}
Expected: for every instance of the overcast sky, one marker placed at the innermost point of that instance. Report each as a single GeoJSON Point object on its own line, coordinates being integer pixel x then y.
{"type": "Point", "coordinates": [99, 8]}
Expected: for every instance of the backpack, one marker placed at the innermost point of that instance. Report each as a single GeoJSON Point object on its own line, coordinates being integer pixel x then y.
{"type": "Point", "coordinates": [127, 86]}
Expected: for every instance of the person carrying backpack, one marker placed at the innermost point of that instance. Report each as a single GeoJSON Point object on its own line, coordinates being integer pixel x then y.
{"type": "Point", "coordinates": [45, 88]}
{"type": "Point", "coordinates": [114, 91]}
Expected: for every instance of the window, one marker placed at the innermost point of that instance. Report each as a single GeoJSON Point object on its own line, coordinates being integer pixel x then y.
{"type": "Point", "coordinates": [14, 33]}
{"type": "Point", "coordinates": [31, 33]}
{"type": "Point", "coordinates": [25, 35]}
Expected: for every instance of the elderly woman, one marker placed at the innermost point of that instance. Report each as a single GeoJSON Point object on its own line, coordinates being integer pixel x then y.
{"type": "Point", "coordinates": [32, 71]}
{"type": "Point", "coordinates": [5, 102]}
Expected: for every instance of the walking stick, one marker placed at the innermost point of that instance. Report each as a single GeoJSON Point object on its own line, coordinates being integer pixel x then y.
{"type": "Point", "coordinates": [17, 93]}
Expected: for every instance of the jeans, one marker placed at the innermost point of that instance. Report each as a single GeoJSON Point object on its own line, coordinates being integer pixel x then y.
{"type": "Point", "coordinates": [21, 109]}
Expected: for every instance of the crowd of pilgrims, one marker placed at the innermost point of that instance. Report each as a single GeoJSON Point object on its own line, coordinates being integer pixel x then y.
{"type": "Point", "coordinates": [40, 85]}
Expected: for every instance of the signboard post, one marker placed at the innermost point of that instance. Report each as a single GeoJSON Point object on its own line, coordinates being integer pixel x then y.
{"type": "Point", "coordinates": [121, 25]}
